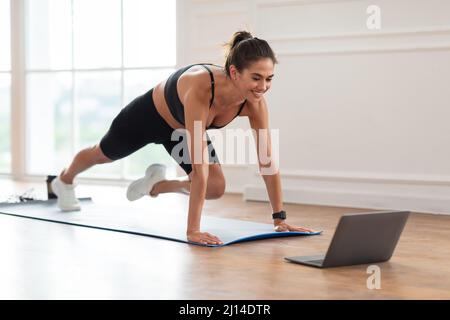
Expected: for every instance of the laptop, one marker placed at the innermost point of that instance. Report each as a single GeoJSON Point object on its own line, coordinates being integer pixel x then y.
{"type": "Point", "coordinates": [360, 238]}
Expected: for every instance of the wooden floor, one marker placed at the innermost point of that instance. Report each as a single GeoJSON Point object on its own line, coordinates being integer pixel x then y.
{"type": "Point", "coordinates": [41, 260]}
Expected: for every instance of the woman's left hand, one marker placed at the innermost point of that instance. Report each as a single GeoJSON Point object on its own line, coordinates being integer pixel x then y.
{"type": "Point", "coordinates": [281, 226]}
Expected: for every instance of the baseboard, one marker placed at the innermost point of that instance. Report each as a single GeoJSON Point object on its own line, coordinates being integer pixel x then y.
{"type": "Point", "coordinates": [356, 199]}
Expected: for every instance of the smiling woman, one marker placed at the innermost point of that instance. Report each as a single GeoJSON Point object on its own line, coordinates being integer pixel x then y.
{"type": "Point", "coordinates": [193, 99]}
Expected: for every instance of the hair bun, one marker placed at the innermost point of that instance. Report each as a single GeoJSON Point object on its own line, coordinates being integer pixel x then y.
{"type": "Point", "coordinates": [239, 37]}
{"type": "Point", "coordinates": [242, 53]}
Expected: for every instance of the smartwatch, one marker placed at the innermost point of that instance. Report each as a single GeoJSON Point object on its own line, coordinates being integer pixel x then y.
{"type": "Point", "coordinates": [279, 215]}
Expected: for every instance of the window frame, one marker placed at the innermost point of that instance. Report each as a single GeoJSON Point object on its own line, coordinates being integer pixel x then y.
{"type": "Point", "coordinates": [19, 73]}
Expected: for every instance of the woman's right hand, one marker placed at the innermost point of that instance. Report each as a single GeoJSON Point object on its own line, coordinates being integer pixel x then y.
{"type": "Point", "coordinates": [202, 238]}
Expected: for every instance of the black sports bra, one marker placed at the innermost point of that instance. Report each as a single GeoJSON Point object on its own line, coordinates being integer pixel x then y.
{"type": "Point", "coordinates": [173, 100]}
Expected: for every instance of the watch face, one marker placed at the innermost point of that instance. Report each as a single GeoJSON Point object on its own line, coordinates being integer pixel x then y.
{"type": "Point", "coordinates": [279, 215]}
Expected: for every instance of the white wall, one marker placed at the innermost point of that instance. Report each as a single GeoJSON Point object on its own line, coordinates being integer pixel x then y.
{"type": "Point", "coordinates": [362, 113]}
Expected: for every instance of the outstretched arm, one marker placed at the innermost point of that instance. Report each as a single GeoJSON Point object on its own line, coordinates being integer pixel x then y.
{"type": "Point", "coordinates": [268, 163]}
{"type": "Point", "coordinates": [196, 114]}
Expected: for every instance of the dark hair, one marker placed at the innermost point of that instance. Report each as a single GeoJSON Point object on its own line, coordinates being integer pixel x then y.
{"type": "Point", "coordinates": [244, 49]}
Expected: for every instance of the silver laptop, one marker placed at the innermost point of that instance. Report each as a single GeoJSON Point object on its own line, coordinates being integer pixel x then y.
{"type": "Point", "coordinates": [360, 238]}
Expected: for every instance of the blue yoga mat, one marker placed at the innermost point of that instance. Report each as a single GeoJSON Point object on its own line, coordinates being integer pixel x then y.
{"type": "Point", "coordinates": [132, 220]}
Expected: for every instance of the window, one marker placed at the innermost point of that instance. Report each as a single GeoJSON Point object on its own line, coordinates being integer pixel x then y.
{"type": "Point", "coordinates": [85, 60]}
{"type": "Point", "coordinates": [5, 87]}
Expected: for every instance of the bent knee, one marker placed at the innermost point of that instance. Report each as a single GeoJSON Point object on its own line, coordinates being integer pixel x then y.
{"type": "Point", "coordinates": [100, 157]}
{"type": "Point", "coordinates": [215, 190]}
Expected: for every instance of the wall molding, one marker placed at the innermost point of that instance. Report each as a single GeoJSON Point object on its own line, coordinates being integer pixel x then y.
{"type": "Point", "coordinates": [420, 37]}
{"type": "Point", "coordinates": [271, 3]}
{"type": "Point", "coordinates": [287, 3]}
{"type": "Point", "coordinates": [369, 34]}
{"type": "Point", "coordinates": [361, 48]}
{"type": "Point", "coordinates": [356, 199]}
{"type": "Point", "coordinates": [342, 43]}
{"type": "Point", "coordinates": [362, 51]}
{"type": "Point", "coordinates": [409, 179]}
{"type": "Point", "coordinates": [356, 190]}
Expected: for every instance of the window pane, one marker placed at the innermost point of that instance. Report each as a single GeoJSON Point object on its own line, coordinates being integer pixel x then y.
{"type": "Point", "coordinates": [97, 33]}
{"type": "Point", "coordinates": [56, 128]}
{"type": "Point", "coordinates": [149, 33]}
{"type": "Point", "coordinates": [5, 121]}
{"type": "Point", "coordinates": [5, 56]}
{"type": "Point", "coordinates": [138, 82]}
{"type": "Point", "coordinates": [97, 102]}
{"type": "Point", "coordinates": [48, 28]}
{"type": "Point", "coordinates": [152, 153]}
{"type": "Point", "coordinates": [48, 122]}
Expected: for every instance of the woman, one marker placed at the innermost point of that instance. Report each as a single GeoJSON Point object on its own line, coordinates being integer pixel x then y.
{"type": "Point", "coordinates": [202, 96]}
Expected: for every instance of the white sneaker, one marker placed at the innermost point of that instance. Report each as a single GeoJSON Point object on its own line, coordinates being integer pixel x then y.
{"type": "Point", "coordinates": [142, 187]}
{"type": "Point", "coordinates": [67, 201]}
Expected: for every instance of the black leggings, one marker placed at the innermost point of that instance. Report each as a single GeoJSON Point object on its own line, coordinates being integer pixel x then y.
{"type": "Point", "coordinates": [139, 124]}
